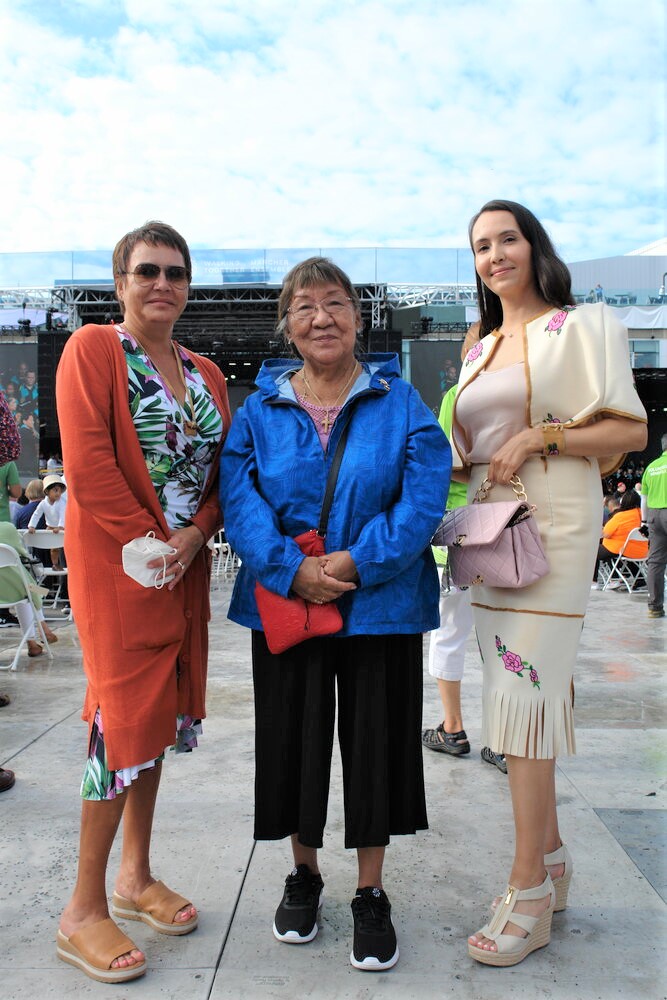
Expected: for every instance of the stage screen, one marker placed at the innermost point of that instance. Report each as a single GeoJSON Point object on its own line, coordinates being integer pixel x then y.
{"type": "Point", "coordinates": [18, 381]}
{"type": "Point", "coordinates": [434, 368]}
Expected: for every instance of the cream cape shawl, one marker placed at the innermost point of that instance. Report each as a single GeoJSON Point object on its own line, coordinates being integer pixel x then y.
{"type": "Point", "coordinates": [577, 371]}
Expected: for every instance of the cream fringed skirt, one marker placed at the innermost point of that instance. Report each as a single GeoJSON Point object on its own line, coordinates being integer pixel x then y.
{"type": "Point", "coordinates": [528, 638]}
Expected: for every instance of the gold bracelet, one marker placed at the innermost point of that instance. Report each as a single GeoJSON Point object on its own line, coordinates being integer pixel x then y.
{"type": "Point", "coordinates": [554, 440]}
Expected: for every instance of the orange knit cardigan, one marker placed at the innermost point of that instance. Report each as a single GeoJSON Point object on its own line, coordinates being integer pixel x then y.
{"type": "Point", "coordinates": [144, 650]}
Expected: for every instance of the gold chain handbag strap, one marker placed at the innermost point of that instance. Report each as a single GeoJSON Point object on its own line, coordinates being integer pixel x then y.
{"type": "Point", "coordinates": [486, 486]}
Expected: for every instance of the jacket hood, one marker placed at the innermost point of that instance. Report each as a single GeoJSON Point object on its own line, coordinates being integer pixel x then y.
{"type": "Point", "coordinates": [273, 377]}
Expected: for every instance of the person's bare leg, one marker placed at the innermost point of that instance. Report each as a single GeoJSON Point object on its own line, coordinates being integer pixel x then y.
{"type": "Point", "coordinates": [532, 788]}
{"type": "Point", "coordinates": [450, 695]}
{"type": "Point", "coordinates": [370, 860]}
{"type": "Point", "coordinates": [134, 875]}
{"type": "Point", "coordinates": [304, 855]}
{"type": "Point", "coordinates": [88, 905]}
{"type": "Point", "coordinates": [552, 839]}
{"type": "Point", "coordinates": [49, 633]}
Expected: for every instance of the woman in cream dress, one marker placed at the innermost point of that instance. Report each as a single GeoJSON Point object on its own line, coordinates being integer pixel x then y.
{"type": "Point", "coordinates": [547, 394]}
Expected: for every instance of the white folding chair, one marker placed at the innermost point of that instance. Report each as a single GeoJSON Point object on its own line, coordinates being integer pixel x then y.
{"type": "Point", "coordinates": [626, 569]}
{"type": "Point", "coordinates": [225, 560]}
{"type": "Point", "coordinates": [10, 560]}
{"type": "Point", "coordinates": [232, 561]}
{"type": "Point", "coordinates": [49, 540]}
{"type": "Point", "coordinates": [219, 547]}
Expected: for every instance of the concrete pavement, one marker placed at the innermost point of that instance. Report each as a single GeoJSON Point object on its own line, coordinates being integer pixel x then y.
{"type": "Point", "coordinates": [609, 943]}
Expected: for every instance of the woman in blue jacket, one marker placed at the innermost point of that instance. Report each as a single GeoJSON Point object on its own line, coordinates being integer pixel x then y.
{"type": "Point", "coordinates": [390, 495]}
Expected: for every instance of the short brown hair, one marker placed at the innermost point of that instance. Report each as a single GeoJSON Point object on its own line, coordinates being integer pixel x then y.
{"type": "Point", "coordinates": [156, 234]}
{"type": "Point", "coordinates": [308, 274]}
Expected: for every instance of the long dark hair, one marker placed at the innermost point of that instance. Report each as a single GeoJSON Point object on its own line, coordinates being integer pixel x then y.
{"type": "Point", "coordinates": [630, 500]}
{"type": "Point", "coordinates": [552, 277]}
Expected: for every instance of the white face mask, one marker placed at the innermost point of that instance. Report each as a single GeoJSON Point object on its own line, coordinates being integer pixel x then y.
{"type": "Point", "coordinates": [139, 552]}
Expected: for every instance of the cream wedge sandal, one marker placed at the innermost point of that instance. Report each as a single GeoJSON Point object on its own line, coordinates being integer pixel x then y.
{"type": "Point", "coordinates": [561, 856]}
{"type": "Point", "coordinates": [513, 949]}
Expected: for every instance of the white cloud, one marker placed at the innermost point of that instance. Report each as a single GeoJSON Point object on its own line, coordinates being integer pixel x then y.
{"type": "Point", "coordinates": [324, 123]}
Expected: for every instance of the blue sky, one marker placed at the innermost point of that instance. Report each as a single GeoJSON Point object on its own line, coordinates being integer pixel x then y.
{"type": "Point", "coordinates": [316, 123]}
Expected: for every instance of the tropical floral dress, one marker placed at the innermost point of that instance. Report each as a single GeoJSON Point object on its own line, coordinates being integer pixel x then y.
{"type": "Point", "coordinates": [178, 465]}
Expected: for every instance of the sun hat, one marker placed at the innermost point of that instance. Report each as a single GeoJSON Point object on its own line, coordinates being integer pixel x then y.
{"type": "Point", "coordinates": [53, 480]}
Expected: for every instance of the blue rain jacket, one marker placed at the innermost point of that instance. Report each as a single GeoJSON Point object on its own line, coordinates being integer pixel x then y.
{"type": "Point", "coordinates": [389, 499]}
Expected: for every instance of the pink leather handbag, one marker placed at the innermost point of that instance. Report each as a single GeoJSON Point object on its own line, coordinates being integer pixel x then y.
{"type": "Point", "coordinates": [495, 544]}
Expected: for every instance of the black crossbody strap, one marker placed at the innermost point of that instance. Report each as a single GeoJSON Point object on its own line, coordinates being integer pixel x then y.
{"type": "Point", "coordinates": [331, 481]}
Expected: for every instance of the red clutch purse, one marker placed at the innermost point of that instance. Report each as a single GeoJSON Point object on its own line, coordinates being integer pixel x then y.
{"type": "Point", "coordinates": [287, 621]}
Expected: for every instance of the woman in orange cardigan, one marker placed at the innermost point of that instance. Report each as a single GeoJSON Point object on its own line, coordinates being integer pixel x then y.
{"type": "Point", "coordinates": [615, 532]}
{"type": "Point", "coordinates": [142, 422]}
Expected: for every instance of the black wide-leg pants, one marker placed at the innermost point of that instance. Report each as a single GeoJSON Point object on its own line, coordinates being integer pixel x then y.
{"type": "Point", "coordinates": [376, 683]}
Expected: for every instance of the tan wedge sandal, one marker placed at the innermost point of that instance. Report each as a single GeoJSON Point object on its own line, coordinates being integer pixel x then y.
{"type": "Point", "coordinates": [513, 949]}
{"type": "Point", "coordinates": [561, 856]}
{"type": "Point", "coordinates": [157, 906]}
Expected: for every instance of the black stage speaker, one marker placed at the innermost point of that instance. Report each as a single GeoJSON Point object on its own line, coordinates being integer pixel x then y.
{"type": "Point", "coordinates": [382, 341]}
{"type": "Point", "coordinates": [49, 348]}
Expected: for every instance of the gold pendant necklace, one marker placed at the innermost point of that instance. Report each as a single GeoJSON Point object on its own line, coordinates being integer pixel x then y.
{"type": "Point", "coordinates": [190, 427]}
{"type": "Point", "coordinates": [326, 422]}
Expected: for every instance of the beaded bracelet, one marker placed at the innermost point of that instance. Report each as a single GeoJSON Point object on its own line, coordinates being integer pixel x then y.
{"type": "Point", "coordinates": [554, 440]}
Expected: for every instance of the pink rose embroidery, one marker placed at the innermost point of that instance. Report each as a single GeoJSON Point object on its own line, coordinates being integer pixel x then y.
{"type": "Point", "coordinates": [551, 419]}
{"type": "Point", "coordinates": [557, 321]}
{"type": "Point", "coordinates": [474, 353]}
{"type": "Point", "coordinates": [514, 663]}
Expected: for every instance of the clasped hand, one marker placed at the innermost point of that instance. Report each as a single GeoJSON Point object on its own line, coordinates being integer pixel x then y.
{"type": "Point", "coordinates": [187, 542]}
{"type": "Point", "coordinates": [321, 579]}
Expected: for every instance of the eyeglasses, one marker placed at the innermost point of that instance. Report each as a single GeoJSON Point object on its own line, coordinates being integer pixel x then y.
{"type": "Point", "coordinates": [146, 274]}
{"type": "Point", "coordinates": [307, 311]}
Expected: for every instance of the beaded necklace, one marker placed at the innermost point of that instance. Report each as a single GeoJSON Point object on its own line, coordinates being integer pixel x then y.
{"type": "Point", "coordinates": [326, 420]}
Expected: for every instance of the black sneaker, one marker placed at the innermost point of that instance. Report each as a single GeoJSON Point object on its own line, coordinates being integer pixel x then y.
{"type": "Point", "coordinates": [374, 945]}
{"type": "Point", "coordinates": [296, 918]}
{"type": "Point", "coordinates": [497, 759]}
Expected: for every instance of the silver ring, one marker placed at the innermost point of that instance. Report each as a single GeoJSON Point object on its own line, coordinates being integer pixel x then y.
{"type": "Point", "coordinates": [181, 564]}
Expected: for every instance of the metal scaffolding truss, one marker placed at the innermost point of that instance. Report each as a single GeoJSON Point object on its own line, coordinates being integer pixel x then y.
{"type": "Point", "coordinates": [46, 299]}
{"type": "Point", "coordinates": [404, 296]}
{"type": "Point", "coordinates": [31, 298]}
{"type": "Point", "coordinates": [216, 309]}
{"type": "Point", "coordinates": [210, 306]}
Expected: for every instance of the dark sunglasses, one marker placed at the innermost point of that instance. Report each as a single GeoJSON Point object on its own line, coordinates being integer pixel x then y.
{"type": "Point", "coordinates": [145, 274]}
